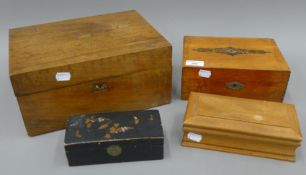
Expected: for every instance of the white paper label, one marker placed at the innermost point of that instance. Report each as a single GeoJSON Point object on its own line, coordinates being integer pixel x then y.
{"type": "Point", "coordinates": [63, 76]}
{"type": "Point", "coordinates": [194, 137]}
{"type": "Point", "coordinates": [194, 63]}
{"type": "Point", "coordinates": [204, 73]}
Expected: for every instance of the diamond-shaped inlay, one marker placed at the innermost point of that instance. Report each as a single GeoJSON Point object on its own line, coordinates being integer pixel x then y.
{"type": "Point", "coordinates": [231, 51]}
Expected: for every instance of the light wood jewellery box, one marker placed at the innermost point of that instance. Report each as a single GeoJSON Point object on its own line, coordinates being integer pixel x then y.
{"type": "Point", "coordinates": [244, 126]}
{"type": "Point", "coordinates": [241, 67]}
{"type": "Point", "coordinates": [113, 62]}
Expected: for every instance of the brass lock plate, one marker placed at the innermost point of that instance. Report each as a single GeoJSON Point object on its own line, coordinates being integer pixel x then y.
{"type": "Point", "coordinates": [100, 87]}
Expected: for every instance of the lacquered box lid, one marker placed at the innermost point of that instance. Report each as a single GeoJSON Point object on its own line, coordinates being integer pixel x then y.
{"type": "Point", "coordinates": [117, 126]}
{"type": "Point", "coordinates": [243, 116]}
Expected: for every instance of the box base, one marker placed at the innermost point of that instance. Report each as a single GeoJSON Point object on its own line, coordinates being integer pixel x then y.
{"type": "Point", "coordinates": [72, 163]}
{"type": "Point", "coordinates": [239, 151]}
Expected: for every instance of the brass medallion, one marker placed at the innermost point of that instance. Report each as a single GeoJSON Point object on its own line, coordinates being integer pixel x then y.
{"type": "Point", "coordinates": [114, 150]}
{"type": "Point", "coordinates": [231, 51]}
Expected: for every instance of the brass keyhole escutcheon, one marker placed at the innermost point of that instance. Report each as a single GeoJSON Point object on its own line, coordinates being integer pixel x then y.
{"type": "Point", "coordinates": [100, 87]}
{"type": "Point", "coordinates": [234, 85]}
{"type": "Point", "coordinates": [114, 150]}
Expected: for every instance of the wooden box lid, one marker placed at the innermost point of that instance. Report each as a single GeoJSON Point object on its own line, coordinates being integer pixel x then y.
{"type": "Point", "coordinates": [265, 119]}
{"type": "Point", "coordinates": [38, 52]}
{"type": "Point", "coordinates": [234, 53]}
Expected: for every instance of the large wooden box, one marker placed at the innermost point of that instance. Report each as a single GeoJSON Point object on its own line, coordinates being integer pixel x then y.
{"type": "Point", "coordinates": [244, 126]}
{"type": "Point", "coordinates": [241, 67]}
{"type": "Point", "coordinates": [114, 137]}
{"type": "Point", "coordinates": [106, 63]}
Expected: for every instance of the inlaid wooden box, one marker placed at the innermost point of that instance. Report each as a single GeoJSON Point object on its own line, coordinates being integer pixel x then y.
{"type": "Point", "coordinates": [114, 137]}
{"type": "Point", "coordinates": [105, 63]}
{"type": "Point", "coordinates": [242, 67]}
{"type": "Point", "coordinates": [244, 126]}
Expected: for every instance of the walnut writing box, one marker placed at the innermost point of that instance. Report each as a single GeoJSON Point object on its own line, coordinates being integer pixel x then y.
{"type": "Point", "coordinates": [241, 67]}
{"type": "Point", "coordinates": [107, 63]}
{"type": "Point", "coordinates": [114, 137]}
{"type": "Point", "coordinates": [244, 126]}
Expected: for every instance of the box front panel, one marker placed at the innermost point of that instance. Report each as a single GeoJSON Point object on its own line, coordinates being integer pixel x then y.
{"type": "Point", "coordinates": [114, 151]}
{"type": "Point", "coordinates": [264, 85]}
{"type": "Point", "coordinates": [48, 111]}
{"type": "Point", "coordinates": [242, 145]}
{"type": "Point", "coordinates": [90, 70]}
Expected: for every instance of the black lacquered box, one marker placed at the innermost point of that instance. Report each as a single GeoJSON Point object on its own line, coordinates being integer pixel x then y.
{"type": "Point", "coordinates": [114, 137]}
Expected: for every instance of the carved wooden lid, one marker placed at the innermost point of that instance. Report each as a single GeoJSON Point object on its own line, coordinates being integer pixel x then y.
{"type": "Point", "coordinates": [242, 116]}
{"type": "Point", "coordinates": [73, 41]}
{"type": "Point", "coordinates": [65, 53]}
{"type": "Point", "coordinates": [234, 53]}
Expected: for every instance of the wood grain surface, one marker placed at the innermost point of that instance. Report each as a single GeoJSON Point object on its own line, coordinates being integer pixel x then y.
{"type": "Point", "coordinates": [256, 63]}
{"type": "Point", "coordinates": [90, 48]}
{"type": "Point", "coordinates": [245, 126]}
{"type": "Point", "coordinates": [117, 62]}
{"type": "Point", "coordinates": [48, 111]}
